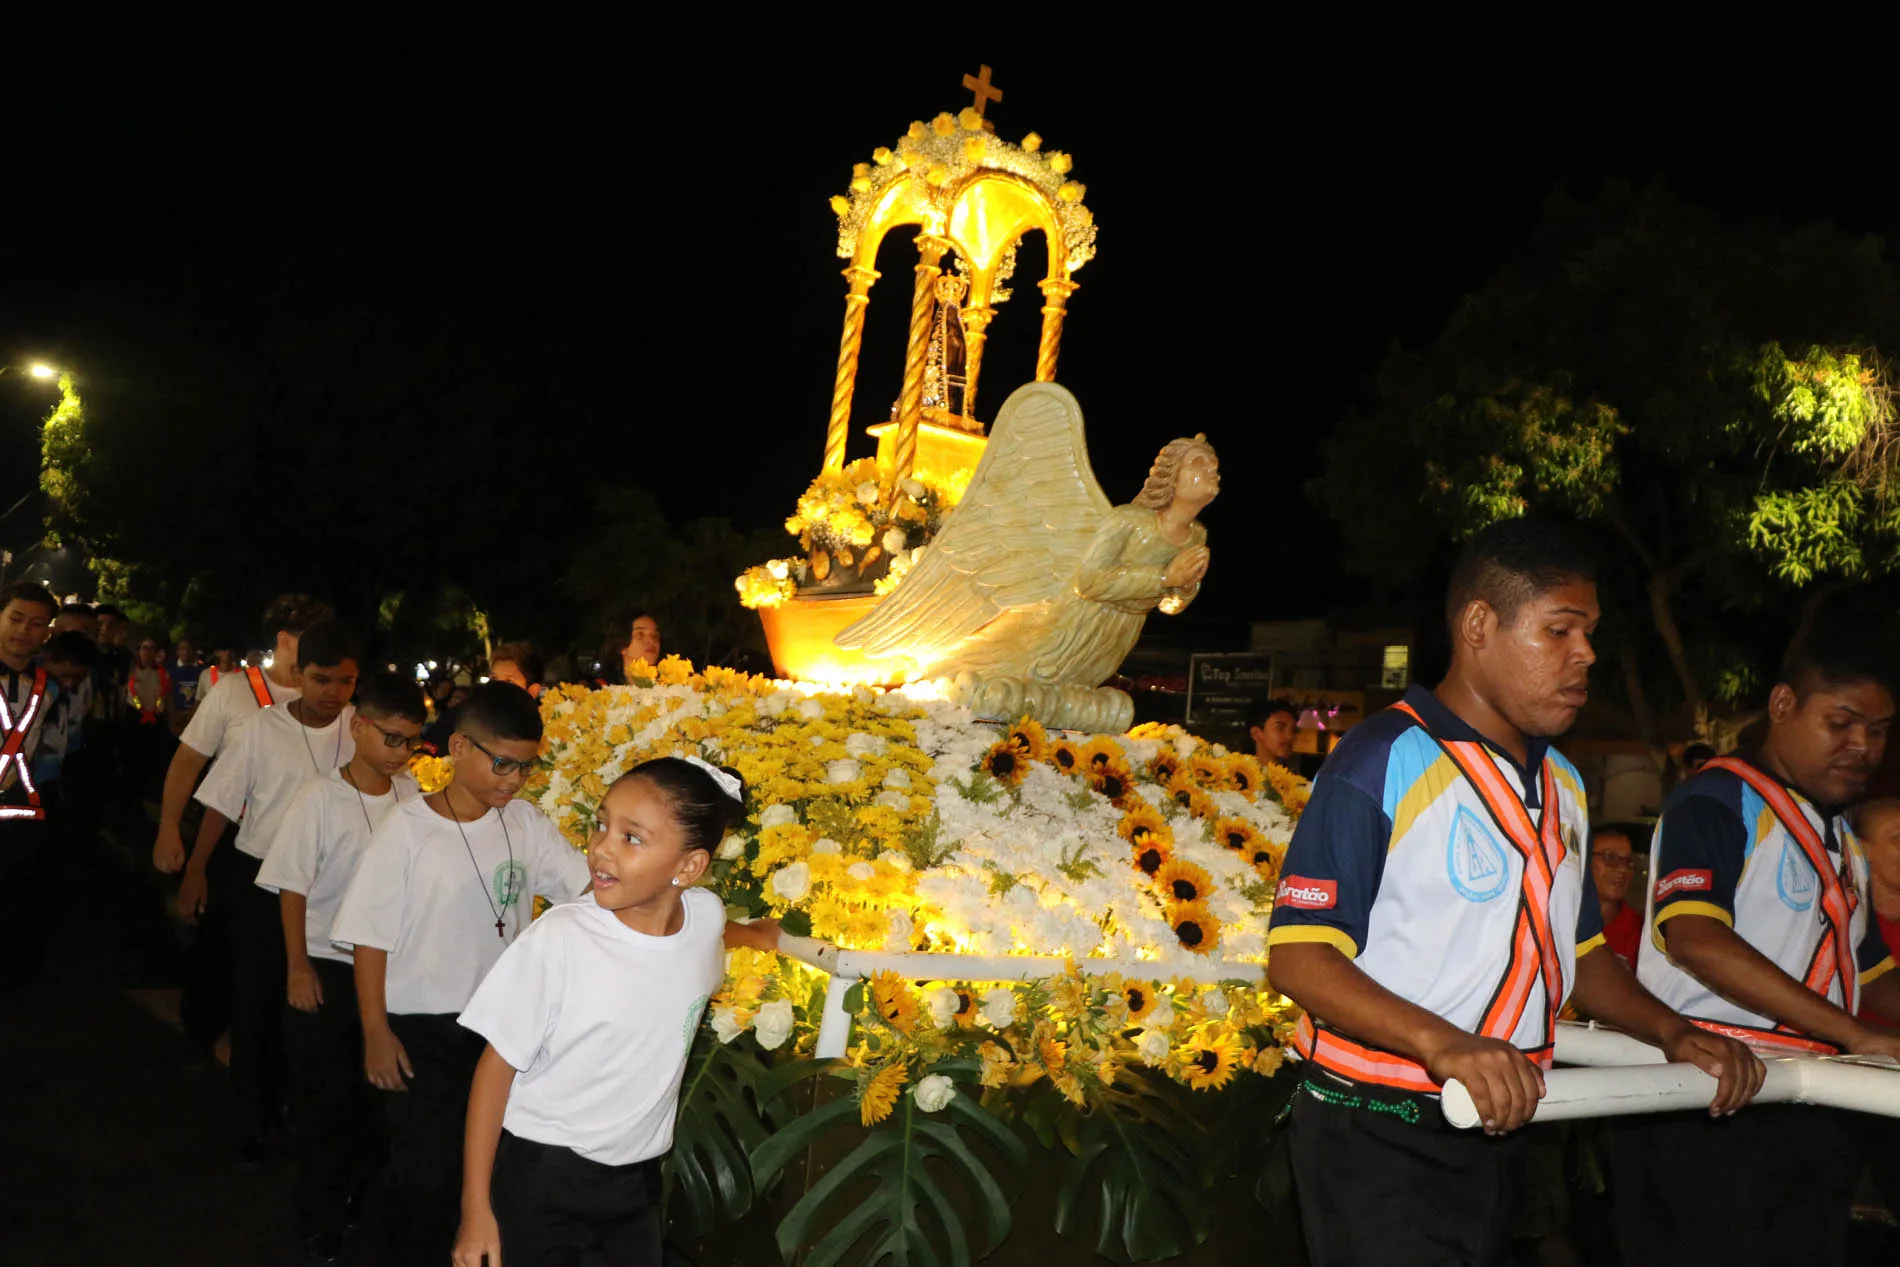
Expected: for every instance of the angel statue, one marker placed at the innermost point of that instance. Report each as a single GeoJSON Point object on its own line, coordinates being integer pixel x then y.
{"type": "Point", "coordinates": [1036, 587]}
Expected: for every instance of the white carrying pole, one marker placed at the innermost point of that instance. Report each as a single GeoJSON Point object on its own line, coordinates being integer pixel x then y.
{"type": "Point", "coordinates": [1588, 1044]}
{"type": "Point", "coordinates": [846, 966]}
{"type": "Point", "coordinates": [1862, 1084]}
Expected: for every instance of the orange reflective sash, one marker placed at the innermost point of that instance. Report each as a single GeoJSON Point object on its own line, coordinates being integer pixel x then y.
{"type": "Point", "coordinates": [13, 749]}
{"type": "Point", "coordinates": [1834, 955]}
{"type": "Point", "coordinates": [1772, 1039]}
{"type": "Point", "coordinates": [260, 689]}
{"type": "Point", "coordinates": [1533, 954]}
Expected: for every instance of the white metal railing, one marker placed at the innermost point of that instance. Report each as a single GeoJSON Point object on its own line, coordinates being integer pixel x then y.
{"type": "Point", "coordinates": [846, 966]}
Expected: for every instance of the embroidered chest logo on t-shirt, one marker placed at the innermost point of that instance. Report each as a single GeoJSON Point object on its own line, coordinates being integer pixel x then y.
{"type": "Point", "coordinates": [507, 882]}
{"type": "Point", "coordinates": [1794, 878]}
{"type": "Point", "coordinates": [1474, 860]}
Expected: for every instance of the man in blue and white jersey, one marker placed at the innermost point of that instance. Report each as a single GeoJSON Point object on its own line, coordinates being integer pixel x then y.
{"type": "Point", "coordinates": [1760, 926]}
{"type": "Point", "coordinates": [1434, 913]}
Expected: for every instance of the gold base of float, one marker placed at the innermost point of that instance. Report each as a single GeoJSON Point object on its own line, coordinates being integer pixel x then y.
{"type": "Point", "coordinates": [799, 633]}
{"type": "Point", "coordinates": [942, 453]}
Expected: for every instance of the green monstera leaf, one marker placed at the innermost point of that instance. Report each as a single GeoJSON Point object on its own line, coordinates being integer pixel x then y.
{"type": "Point", "coordinates": [1138, 1186]}
{"type": "Point", "coordinates": [708, 1175]}
{"type": "Point", "coordinates": [908, 1193]}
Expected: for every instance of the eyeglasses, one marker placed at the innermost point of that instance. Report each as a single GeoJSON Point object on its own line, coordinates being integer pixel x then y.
{"type": "Point", "coordinates": [1614, 861]}
{"type": "Point", "coordinates": [504, 766]}
{"type": "Point", "coordinates": [392, 739]}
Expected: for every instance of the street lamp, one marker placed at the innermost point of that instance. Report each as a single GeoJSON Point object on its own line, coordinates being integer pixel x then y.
{"type": "Point", "coordinates": [41, 370]}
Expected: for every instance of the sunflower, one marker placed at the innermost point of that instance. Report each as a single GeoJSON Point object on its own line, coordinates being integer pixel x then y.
{"type": "Point", "coordinates": [1195, 927]}
{"type": "Point", "coordinates": [1207, 770]}
{"type": "Point", "coordinates": [877, 1094]}
{"type": "Point", "coordinates": [1112, 779]}
{"type": "Point", "coordinates": [1266, 860]}
{"type": "Point", "coordinates": [1140, 997]}
{"type": "Point", "coordinates": [1208, 1064]}
{"type": "Point", "coordinates": [1164, 767]}
{"type": "Point", "coordinates": [1243, 773]}
{"type": "Point", "coordinates": [1182, 791]}
{"type": "Point", "coordinates": [1065, 756]}
{"type": "Point", "coordinates": [1288, 788]}
{"type": "Point", "coordinates": [1099, 752]}
{"type": "Point", "coordinates": [1029, 738]}
{"type": "Point", "coordinates": [1182, 883]}
{"type": "Point", "coordinates": [1238, 835]}
{"type": "Point", "coordinates": [1152, 856]}
{"type": "Point", "coordinates": [965, 1015]}
{"type": "Point", "coordinates": [894, 1002]}
{"type": "Point", "coordinates": [1143, 823]}
{"type": "Point", "coordinates": [1005, 763]}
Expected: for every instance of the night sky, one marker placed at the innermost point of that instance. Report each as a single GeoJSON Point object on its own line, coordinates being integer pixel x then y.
{"type": "Point", "coordinates": [622, 258]}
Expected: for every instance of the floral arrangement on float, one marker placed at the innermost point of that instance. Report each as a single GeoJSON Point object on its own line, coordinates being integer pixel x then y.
{"type": "Point", "coordinates": [897, 822]}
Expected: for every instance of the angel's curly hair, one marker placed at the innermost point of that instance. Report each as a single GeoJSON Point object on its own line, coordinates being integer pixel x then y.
{"type": "Point", "coordinates": [1159, 490]}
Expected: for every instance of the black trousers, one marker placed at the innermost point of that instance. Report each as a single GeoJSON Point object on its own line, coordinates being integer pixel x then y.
{"type": "Point", "coordinates": [1377, 1191]}
{"type": "Point", "coordinates": [31, 897]}
{"type": "Point", "coordinates": [1773, 1184]}
{"type": "Point", "coordinates": [339, 1124]}
{"type": "Point", "coordinates": [205, 1008]}
{"type": "Point", "coordinates": [558, 1209]}
{"type": "Point", "coordinates": [423, 1192]}
{"type": "Point", "coordinates": [258, 1078]}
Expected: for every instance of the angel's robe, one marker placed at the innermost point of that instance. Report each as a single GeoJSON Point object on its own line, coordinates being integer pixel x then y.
{"type": "Point", "coordinates": [1083, 635]}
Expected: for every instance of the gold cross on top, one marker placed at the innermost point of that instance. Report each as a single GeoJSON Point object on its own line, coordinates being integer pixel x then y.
{"type": "Point", "coordinates": [980, 85]}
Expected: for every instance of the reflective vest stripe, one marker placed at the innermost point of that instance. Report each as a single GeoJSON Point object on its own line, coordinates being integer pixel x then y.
{"type": "Point", "coordinates": [1533, 948]}
{"type": "Point", "coordinates": [13, 750]}
{"type": "Point", "coordinates": [260, 689]}
{"type": "Point", "coordinates": [1834, 901]}
{"type": "Point", "coordinates": [1773, 1039]}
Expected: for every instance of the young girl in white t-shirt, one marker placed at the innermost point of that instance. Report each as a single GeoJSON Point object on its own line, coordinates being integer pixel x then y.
{"type": "Point", "coordinates": [589, 1017]}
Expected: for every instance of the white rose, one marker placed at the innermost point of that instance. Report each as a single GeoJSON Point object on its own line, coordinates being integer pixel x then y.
{"type": "Point", "coordinates": [731, 847]}
{"type": "Point", "coordinates": [894, 541]}
{"type": "Point", "coordinates": [893, 800]}
{"type": "Point", "coordinates": [810, 709]}
{"type": "Point", "coordinates": [897, 777]}
{"type": "Point", "coordinates": [793, 882]}
{"type": "Point", "coordinates": [825, 844]}
{"type": "Point", "coordinates": [859, 744]}
{"type": "Point", "coordinates": [897, 941]}
{"type": "Point", "coordinates": [1152, 1046]}
{"type": "Point", "coordinates": [943, 1006]}
{"type": "Point", "coordinates": [773, 1025]}
{"type": "Point", "coordinates": [844, 770]}
{"type": "Point", "coordinates": [1163, 1015]}
{"type": "Point", "coordinates": [725, 1023]}
{"type": "Point", "coordinates": [934, 1092]}
{"type": "Point", "coordinates": [999, 1007]}
{"type": "Point", "coordinates": [778, 816]}
{"type": "Point", "coordinates": [913, 489]}
{"type": "Point", "coordinates": [867, 493]}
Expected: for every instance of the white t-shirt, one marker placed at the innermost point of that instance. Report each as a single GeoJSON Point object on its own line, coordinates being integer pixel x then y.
{"type": "Point", "coordinates": [598, 1019]}
{"type": "Point", "coordinates": [229, 703]}
{"type": "Point", "coordinates": [323, 836]}
{"type": "Point", "coordinates": [429, 895]}
{"type": "Point", "coordinates": [267, 758]}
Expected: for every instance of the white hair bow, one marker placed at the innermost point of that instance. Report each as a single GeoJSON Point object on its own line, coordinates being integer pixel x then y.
{"type": "Point", "coordinates": [728, 784]}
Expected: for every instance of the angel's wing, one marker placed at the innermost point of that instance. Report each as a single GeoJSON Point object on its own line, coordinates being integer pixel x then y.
{"type": "Point", "coordinates": [1015, 539]}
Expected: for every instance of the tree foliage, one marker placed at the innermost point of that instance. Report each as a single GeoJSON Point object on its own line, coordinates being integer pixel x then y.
{"type": "Point", "coordinates": [1713, 398]}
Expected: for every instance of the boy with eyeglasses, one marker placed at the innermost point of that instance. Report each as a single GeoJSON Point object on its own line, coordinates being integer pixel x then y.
{"type": "Point", "coordinates": [446, 884]}
{"type": "Point", "coordinates": [1612, 859]}
{"type": "Point", "coordinates": [309, 866]}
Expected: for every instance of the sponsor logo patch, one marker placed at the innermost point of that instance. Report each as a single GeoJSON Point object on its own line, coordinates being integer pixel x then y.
{"type": "Point", "coordinates": [1308, 895]}
{"type": "Point", "coordinates": [1684, 882]}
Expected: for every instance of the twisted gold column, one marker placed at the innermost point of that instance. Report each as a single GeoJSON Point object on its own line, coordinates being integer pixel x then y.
{"type": "Point", "coordinates": [1056, 291]}
{"type": "Point", "coordinates": [846, 380]}
{"type": "Point", "coordinates": [976, 322]}
{"type": "Point", "coordinates": [930, 249]}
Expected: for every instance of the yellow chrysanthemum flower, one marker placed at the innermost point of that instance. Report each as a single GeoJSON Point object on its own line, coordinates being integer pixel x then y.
{"type": "Point", "coordinates": [1209, 1063]}
{"type": "Point", "coordinates": [1195, 927]}
{"type": "Point", "coordinates": [878, 1092]}
{"type": "Point", "coordinates": [894, 1003]}
{"type": "Point", "coordinates": [1181, 883]}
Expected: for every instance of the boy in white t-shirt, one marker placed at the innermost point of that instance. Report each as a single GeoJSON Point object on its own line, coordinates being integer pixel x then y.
{"type": "Point", "coordinates": [589, 1018]}
{"type": "Point", "coordinates": [446, 883]}
{"type": "Point", "coordinates": [266, 761]}
{"type": "Point", "coordinates": [310, 865]}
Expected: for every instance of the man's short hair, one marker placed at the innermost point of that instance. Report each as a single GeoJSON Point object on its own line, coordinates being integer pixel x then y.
{"type": "Point", "coordinates": [103, 610]}
{"type": "Point", "coordinates": [391, 695]}
{"type": "Point", "coordinates": [1266, 712]}
{"type": "Point", "coordinates": [293, 614]}
{"type": "Point", "coordinates": [1512, 562]}
{"type": "Point", "coordinates": [1836, 655]}
{"type": "Point", "coordinates": [523, 656]}
{"type": "Point", "coordinates": [325, 644]}
{"type": "Point", "coordinates": [499, 711]}
{"type": "Point", "coordinates": [71, 647]}
{"type": "Point", "coordinates": [77, 609]}
{"type": "Point", "coordinates": [30, 592]}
